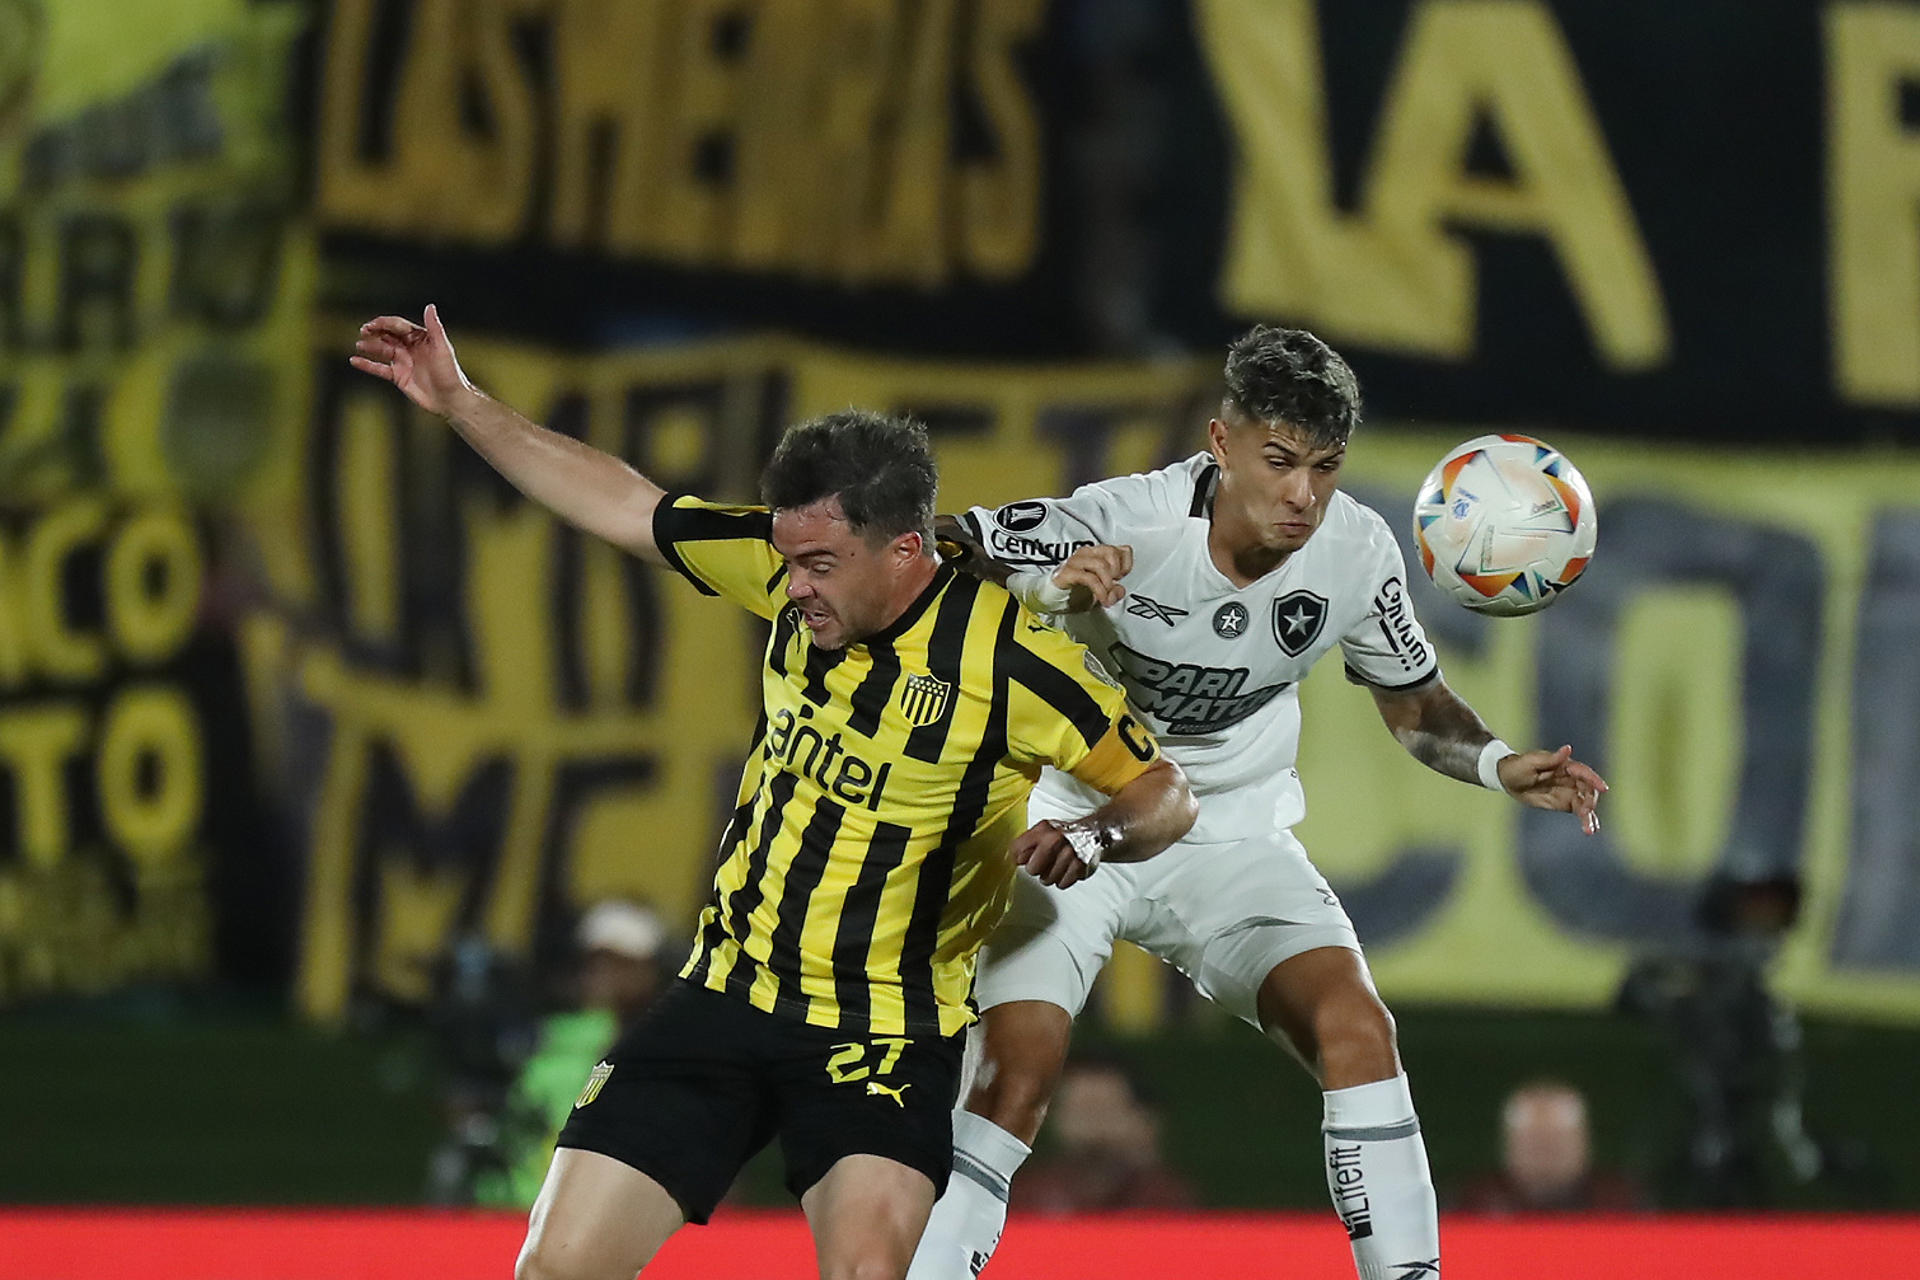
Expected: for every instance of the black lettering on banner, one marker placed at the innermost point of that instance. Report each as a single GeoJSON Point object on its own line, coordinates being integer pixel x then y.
{"type": "Point", "coordinates": [1776, 578]}
{"type": "Point", "coordinates": [668, 132]}
{"type": "Point", "coordinates": [1875, 928]}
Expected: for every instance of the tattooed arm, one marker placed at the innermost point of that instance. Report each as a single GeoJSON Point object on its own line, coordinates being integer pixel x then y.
{"type": "Point", "coordinates": [1441, 731]}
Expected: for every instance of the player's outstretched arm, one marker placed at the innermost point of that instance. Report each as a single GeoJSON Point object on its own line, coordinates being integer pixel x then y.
{"type": "Point", "coordinates": [1440, 730]}
{"type": "Point", "coordinates": [1139, 820]}
{"type": "Point", "coordinates": [591, 490]}
{"type": "Point", "coordinates": [1086, 580]}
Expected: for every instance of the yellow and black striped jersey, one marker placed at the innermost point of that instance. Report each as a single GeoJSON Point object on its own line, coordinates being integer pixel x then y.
{"type": "Point", "coordinates": [867, 858]}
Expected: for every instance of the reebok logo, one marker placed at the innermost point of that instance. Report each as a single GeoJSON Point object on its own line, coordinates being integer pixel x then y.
{"type": "Point", "coordinates": [1147, 607]}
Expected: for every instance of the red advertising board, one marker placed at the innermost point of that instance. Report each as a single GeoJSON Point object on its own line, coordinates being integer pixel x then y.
{"type": "Point", "coordinates": [278, 1245]}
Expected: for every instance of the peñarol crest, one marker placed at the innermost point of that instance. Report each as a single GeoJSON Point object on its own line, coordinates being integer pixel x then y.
{"type": "Point", "coordinates": [924, 699]}
{"type": "Point", "coordinates": [596, 1079]}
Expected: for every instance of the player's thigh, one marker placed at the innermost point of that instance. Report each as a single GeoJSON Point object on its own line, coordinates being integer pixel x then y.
{"type": "Point", "coordinates": [1230, 913]}
{"type": "Point", "coordinates": [1022, 1049]}
{"type": "Point", "coordinates": [1322, 1004]}
{"type": "Point", "coordinates": [867, 1213]}
{"type": "Point", "coordinates": [1052, 943]}
{"type": "Point", "coordinates": [685, 1097]}
{"type": "Point", "coordinates": [596, 1219]}
{"type": "Point", "coordinates": [844, 1093]}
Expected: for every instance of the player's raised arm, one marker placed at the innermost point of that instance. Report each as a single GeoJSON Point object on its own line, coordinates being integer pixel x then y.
{"type": "Point", "coordinates": [589, 489]}
{"type": "Point", "coordinates": [1440, 730]}
{"type": "Point", "coordinates": [1087, 579]}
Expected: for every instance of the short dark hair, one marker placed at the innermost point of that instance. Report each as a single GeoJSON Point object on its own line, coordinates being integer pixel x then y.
{"type": "Point", "coordinates": [1290, 376]}
{"type": "Point", "coordinates": [880, 466]}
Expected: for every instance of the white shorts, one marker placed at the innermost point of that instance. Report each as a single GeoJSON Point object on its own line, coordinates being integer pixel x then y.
{"type": "Point", "coordinates": [1224, 914]}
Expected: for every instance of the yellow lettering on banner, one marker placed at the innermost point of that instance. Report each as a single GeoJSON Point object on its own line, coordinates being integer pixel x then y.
{"type": "Point", "coordinates": [1000, 198]}
{"type": "Point", "coordinates": [349, 190]}
{"type": "Point", "coordinates": [442, 176]}
{"type": "Point", "coordinates": [606, 70]}
{"type": "Point", "coordinates": [1676, 772]}
{"type": "Point", "coordinates": [701, 89]}
{"type": "Point", "coordinates": [1397, 275]}
{"type": "Point", "coordinates": [35, 744]}
{"type": "Point", "coordinates": [908, 242]}
{"type": "Point", "coordinates": [1133, 991]}
{"type": "Point", "coordinates": [778, 139]}
{"type": "Point", "coordinates": [419, 907]}
{"type": "Point", "coordinates": [473, 187]}
{"type": "Point", "coordinates": [834, 221]}
{"type": "Point", "coordinates": [1508, 61]}
{"type": "Point", "coordinates": [151, 780]}
{"type": "Point", "coordinates": [59, 650]}
{"type": "Point", "coordinates": [14, 638]}
{"type": "Point", "coordinates": [153, 546]}
{"type": "Point", "coordinates": [767, 136]}
{"type": "Point", "coordinates": [1873, 199]}
{"type": "Point", "coordinates": [369, 514]}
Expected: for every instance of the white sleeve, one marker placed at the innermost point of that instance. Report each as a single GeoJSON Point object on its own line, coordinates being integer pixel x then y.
{"type": "Point", "coordinates": [1387, 648]}
{"type": "Point", "coordinates": [1042, 532]}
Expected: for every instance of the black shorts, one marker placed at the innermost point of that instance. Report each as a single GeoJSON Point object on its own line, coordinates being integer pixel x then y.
{"type": "Point", "coordinates": [704, 1080]}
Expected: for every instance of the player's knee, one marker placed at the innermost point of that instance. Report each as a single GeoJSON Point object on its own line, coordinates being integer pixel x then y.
{"type": "Point", "coordinates": [870, 1266]}
{"type": "Point", "coordinates": [1356, 1033]}
{"type": "Point", "coordinates": [532, 1264]}
{"type": "Point", "coordinates": [540, 1261]}
{"type": "Point", "coordinates": [1013, 1097]}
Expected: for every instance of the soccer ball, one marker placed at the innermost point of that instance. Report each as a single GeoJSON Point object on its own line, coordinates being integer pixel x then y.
{"type": "Point", "coordinates": [1504, 524]}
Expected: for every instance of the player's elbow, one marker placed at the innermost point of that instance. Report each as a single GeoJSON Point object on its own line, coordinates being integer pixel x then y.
{"type": "Point", "coordinates": [1188, 805]}
{"type": "Point", "coordinates": [1178, 805]}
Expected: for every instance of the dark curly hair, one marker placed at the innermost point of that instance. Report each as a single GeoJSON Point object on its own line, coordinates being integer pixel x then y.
{"type": "Point", "coordinates": [1290, 376]}
{"type": "Point", "coordinates": [880, 466]}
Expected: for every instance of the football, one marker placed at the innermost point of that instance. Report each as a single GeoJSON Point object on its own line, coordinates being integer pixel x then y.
{"type": "Point", "coordinates": [1504, 524]}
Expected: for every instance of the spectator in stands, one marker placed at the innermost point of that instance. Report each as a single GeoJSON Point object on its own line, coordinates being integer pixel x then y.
{"type": "Point", "coordinates": [1105, 1138]}
{"type": "Point", "coordinates": [1547, 1159]}
{"type": "Point", "coordinates": [621, 973]}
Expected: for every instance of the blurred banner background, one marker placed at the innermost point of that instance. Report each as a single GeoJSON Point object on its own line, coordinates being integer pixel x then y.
{"type": "Point", "coordinates": [316, 739]}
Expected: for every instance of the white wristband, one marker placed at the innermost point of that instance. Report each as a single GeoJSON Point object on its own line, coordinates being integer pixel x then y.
{"type": "Point", "coordinates": [1490, 757]}
{"type": "Point", "coordinates": [1036, 589]}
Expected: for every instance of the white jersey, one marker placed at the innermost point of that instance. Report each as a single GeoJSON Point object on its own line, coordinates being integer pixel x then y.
{"type": "Point", "coordinates": [1214, 668]}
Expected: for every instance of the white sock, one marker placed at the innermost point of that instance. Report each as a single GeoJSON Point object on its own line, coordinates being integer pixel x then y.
{"type": "Point", "coordinates": [1377, 1174]}
{"type": "Point", "coordinates": [967, 1220]}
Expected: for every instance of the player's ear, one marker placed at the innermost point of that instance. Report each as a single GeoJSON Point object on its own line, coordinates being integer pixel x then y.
{"type": "Point", "coordinates": [907, 548]}
{"type": "Point", "coordinates": [1217, 440]}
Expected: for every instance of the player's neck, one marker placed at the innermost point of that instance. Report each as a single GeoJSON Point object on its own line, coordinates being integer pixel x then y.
{"type": "Point", "coordinates": [1238, 554]}
{"type": "Point", "coordinates": [913, 582]}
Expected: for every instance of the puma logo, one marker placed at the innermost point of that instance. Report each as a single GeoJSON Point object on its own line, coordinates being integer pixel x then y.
{"type": "Point", "coordinates": [875, 1089]}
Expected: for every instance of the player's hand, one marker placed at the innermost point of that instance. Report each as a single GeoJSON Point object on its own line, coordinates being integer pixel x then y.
{"type": "Point", "coordinates": [418, 359]}
{"type": "Point", "coordinates": [1043, 850]}
{"type": "Point", "coordinates": [1555, 780]}
{"type": "Point", "coordinates": [1091, 576]}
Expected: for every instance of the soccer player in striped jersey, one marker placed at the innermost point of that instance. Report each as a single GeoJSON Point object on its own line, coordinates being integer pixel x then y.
{"type": "Point", "coordinates": [907, 711]}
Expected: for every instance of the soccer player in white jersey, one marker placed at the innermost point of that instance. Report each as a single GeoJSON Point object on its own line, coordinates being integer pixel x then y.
{"type": "Point", "coordinates": [1243, 566]}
